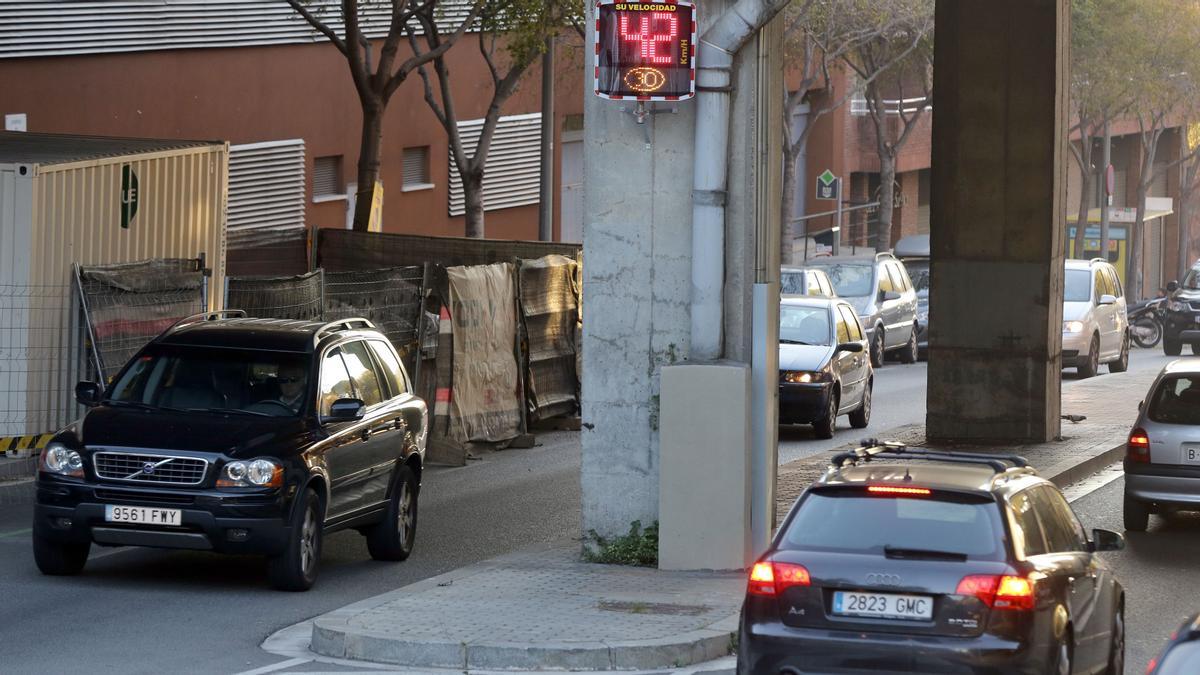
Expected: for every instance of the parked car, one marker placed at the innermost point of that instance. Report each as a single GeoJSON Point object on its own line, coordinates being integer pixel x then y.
{"type": "Point", "coordinates": [884, 298]}
{"type": "Point", "coordinates": [1181, 656]}
{"type": "Point", "coordinates": [1095, 324]}
{"type": "Point", "coordinates": [823, 372]}
{"type": "Point", "coordinates": [805, 281]}
{"type": "Point", "coordinates": [913, 251]}
{"type": "Point", "coordinates": [911, 560]}
{"type": "Point", "coordinates": [1162, 459]}
{"type": "Point", "coordinates": [1183, 314]}
{"type": "Point", "coordinates": [239, 435]}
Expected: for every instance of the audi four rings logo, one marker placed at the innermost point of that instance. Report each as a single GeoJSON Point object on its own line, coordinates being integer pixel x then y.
{"type": "Point", "coordinates": [883, 579]}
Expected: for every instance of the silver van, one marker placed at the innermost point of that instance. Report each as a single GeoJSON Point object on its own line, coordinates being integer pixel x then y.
{"type": "Point", "coordinates": [884, 298]}
{"type": "Point", "coordinates": [1162, 457]}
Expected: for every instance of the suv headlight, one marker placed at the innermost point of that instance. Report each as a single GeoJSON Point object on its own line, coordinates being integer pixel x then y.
{"type": "Point", "coordinates": [1072, 326]}
{"type": "Point", "coordinates": [58, 459]}
{"type": "Point", "coordinates": [1178, 306]}
{"type": "Point", "coordinates": [253, 473]}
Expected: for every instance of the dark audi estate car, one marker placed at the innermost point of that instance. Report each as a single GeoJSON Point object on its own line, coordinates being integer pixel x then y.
{"type": "Point", "coordinates": [239, 435]}
{"type": "Point", "coordinates": [910, 560]}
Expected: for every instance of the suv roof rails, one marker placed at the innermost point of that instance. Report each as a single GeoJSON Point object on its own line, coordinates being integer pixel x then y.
{"type": "Point", "coordinates": [885, 254]}
{"type": "Point", "coordinates": [1098, 260]}
{"type": "Point", "coordinates": [341, 325]}
{"type": "Point", "coordinates": [208, 316]}
{"type": "Point", "coordinates": [871, 448]}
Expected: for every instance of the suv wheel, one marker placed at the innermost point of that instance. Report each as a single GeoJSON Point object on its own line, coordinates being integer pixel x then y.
{"type": "Point", "coordinates": [909, 354]}
{"type": "Point", "coordinates": [296, 568]}
{"type": "Point", "coordinates": [1136, 515]}
{"type": "Point", "coordinates": [1122, 363]}
{"type": "Point", "coordinates": [1092, 365]}
{"type": "Point", "coordinates": [392, 538]}
{"type": "Point", "coordinates": [1172, 347]}
{"type": "Point", "coordinates": [859, 419]}
{"type": "Point", "coordinates": [58, 559]}
{"type": "Point", "coordinates": [827, 423]}
{"type": "Point", "coordinates": [877, 348]}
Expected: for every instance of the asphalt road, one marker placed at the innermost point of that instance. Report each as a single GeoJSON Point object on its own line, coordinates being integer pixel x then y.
{"type": "Point", "coordinates": [899, 399]}
{"type": "Point", "coordinates": [1157, 569]}
{"type": "Point", "coordinates": [149, 611]}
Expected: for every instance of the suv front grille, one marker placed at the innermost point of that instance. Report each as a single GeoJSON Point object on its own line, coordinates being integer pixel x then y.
{"type": "Point", "coordinates": [150, 468]}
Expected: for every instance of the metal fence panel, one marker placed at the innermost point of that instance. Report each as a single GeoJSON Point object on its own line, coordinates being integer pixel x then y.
{"type": "Point", "coordinates": [296, 297]}
{"type": "Point", "coordinates": [390, 298]}
{"type": "Point", "coordinates": [128, 304]}
{"type": "Point", "coordinates": [42, 356]}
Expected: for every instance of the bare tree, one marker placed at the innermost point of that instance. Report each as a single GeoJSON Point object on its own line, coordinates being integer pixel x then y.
{"type": "Point", "coordinates": [375, 83]}
{"type": "Point", "coordinates": [896, 60]}
{"type": "Point", "coordinates": [523, 27]}
{"type": "Point", "coordinates": [816, 37]}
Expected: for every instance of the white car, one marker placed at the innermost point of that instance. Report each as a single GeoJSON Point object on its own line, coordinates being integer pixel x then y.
{"type": "Point", "coordinates": [1095, 326]}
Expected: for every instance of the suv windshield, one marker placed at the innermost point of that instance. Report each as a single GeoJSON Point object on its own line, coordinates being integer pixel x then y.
{"type": "Point", "coordinates": [1177, 401]}
{"type": "Point", "coordinates": [805, 325]}
{"type": "Point", "coordinates": [851, 280]}
{"type": "Point", "coordinates": [1078, 286]}
{"type": "Point", "coordinates": [849, 521]}
{"type": "Point", "coordinates": [227, 380]}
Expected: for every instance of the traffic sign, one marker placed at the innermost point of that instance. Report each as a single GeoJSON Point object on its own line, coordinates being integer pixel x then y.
{"type": "Point", "coordinates": [829, 186]}
{"type": "Point", "coordinates": [645, 50]}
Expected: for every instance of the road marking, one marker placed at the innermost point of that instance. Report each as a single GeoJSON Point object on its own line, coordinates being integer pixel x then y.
{"type": "Point", "coordinates": [1079, 490]}
{"type": "Point", "coordinates": [15, 533]}
{"type": "Point", "coordinates": [290, 663]}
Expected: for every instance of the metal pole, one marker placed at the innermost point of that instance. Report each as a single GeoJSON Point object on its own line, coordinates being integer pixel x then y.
{"type": "Point", "coordinates": [1106, 201]}
{"type": "Point", "coordinates": [837, 227]}
{"type": "Point", "coordinates": [546, 189]}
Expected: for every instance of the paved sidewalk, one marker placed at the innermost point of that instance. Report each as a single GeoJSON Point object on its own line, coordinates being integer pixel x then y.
{"type": "Point", "coordinates": [542, 610]}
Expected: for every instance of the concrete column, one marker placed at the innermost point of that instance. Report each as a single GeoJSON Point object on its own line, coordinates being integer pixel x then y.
{"type": "Point", "coordinates": [998, 208]}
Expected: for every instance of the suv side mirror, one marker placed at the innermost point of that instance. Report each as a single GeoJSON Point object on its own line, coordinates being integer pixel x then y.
{"type": "Point", "coordinates": [1172, 286]}
{"type": "Point", "coordinates": [850, 347]}
{"type": "Point", "coordinates": [1108, 300]}
{"type": "Point", "coordinates": [345, 410]}
{"type": "Point", "coordinates": [88, 393]}
{"type": "Point", "coordinates": [1106, 540]}
{"type": "Point", "coordinates": [889, 295]}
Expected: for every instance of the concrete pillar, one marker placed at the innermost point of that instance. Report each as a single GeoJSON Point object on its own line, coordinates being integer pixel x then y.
{"type": "Point", "coordinates": [998, 210]}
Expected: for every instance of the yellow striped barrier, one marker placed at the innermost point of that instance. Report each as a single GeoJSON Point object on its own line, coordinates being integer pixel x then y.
{"type": "Point", "coordinates": [23, 446]}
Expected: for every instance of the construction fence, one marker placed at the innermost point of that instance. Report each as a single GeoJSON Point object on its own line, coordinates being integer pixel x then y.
{"type": "Point", "coordinates": [53, 336]}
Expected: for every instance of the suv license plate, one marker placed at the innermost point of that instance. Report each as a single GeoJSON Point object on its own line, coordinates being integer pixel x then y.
{"type": "Point", "coordinates": [883, 605]}
{"type": "Point", "coordinates": [142, 514]}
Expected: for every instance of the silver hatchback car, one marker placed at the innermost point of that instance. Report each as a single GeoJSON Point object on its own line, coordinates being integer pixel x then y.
{"type": "Point", "coordinates": [1162, 459]}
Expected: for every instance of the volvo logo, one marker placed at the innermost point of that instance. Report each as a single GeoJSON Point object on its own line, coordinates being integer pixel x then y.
{"type": "Point", "coordinates": [148, 468]}
{"type": "Point", "coordinates": [880, 579]}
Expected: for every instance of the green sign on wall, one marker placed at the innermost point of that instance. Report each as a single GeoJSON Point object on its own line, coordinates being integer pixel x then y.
{"type": "Point", "coordinates": [129, 196]}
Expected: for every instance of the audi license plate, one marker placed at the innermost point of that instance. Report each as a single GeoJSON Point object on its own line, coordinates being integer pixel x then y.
{"type": "Point", "coordinates": [883, 605]}
{"type": "Point", "coordinates": [142, 514]}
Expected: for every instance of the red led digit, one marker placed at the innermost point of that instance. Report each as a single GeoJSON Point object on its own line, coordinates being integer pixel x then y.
{"type": "Point", "coordinates": [649, 34]}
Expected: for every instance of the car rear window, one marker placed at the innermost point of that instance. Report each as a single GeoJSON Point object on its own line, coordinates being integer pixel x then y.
{"type": "Point", "coordinates": [1176, 401]}
{"type": "Point", "coordinates": [851, 521]}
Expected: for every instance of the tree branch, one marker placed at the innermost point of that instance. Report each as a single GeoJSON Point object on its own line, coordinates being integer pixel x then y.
{"type": "Point", "coordinates": [318, 25]}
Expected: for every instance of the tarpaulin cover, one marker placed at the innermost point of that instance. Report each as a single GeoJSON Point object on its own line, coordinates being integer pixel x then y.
{"type": "Point", "coordinates": [485, 401]}
{"type": "Point", "coordinates": [549, 304]}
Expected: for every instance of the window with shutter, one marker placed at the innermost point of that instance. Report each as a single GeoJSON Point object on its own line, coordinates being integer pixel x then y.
{"type": "Point", "coordinates": [327, 178]}
{"type": "Point", "coordinates": [416, 169]}
{"type": "Point", "coordinates": [513, 163]}
{"type": "Point", "coordinates": [266, 190]}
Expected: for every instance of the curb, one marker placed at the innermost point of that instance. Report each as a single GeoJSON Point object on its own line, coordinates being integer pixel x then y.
{"type": "Point", "coordinates": [1087, 467]}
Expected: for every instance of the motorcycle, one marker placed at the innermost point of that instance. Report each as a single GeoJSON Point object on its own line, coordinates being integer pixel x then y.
{"type": "Point", "coordinates": [1146, 322]}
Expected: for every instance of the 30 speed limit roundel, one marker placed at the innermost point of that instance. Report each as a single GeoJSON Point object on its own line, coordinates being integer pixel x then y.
{"type": "Point", "coordinates": [646, 50]}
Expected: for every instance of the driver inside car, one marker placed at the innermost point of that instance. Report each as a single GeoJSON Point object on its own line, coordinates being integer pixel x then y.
{"type": "Point", "coordinates": [291, 386]}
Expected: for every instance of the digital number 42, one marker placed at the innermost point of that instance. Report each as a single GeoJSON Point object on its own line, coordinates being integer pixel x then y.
{"type": "Point", "coordinates": [651, 29]}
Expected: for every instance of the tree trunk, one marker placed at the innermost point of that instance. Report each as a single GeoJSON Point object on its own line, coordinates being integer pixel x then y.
{"type": "Point", "coordinates": [788, 229]}
{"type": "Point", "coordinates": [887, 202]}
{"type": "Point", "coordinates": [473, 197]}
{"type": "Point", "coordinates": [368, 163]}
{"type": "Point", "coordinates": [1136, 231]}
{"type": "Point", "coordinates": [1085, 174]}
{"type": "Point", "coordinates": [1185, 239]}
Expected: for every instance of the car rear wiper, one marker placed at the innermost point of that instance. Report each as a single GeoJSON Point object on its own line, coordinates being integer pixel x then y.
{"type": "Point", "coordinates": [234, 411]}
{"type": "Point", "coordinates": [921, 553]}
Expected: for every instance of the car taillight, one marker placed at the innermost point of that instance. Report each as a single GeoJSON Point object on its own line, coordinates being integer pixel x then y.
{"type": "Point", "coordinates": [1138, 448]}
{"type": "Point", "coordinates": [895, 490]}
{"type": "Point", "coordinates": [772, 578]}
{"type": "Point", "coordinates": [999, 591]}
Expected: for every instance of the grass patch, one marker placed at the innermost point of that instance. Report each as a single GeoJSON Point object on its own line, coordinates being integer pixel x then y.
{"type": "Point", "coordinates": [639, 547]}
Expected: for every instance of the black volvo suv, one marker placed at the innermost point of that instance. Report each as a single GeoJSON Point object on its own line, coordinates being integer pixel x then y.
{"type": "Point", "coordinates": [1182, 324]}
{"type": "Point", "coordinates": [239, 435]}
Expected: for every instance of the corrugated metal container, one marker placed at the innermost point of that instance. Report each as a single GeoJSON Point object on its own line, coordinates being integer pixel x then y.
{"type": "Point", "coordinates": [65, 200]}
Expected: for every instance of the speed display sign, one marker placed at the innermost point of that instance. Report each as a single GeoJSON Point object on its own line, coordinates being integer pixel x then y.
{"type": "Point", "coordinates": [646, 50]}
